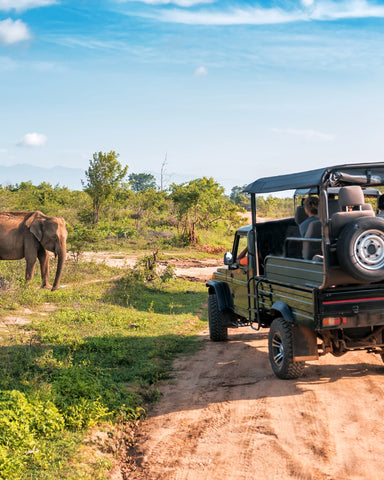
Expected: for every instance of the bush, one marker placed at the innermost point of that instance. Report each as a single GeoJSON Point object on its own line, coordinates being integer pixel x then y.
{"type": "Point", "coordinates": [79, 238]}
{"type": "Point", "coordinates": [147, 269]}
{"type": "Point", "coordinates": [23, 423]}
{"type": "Point", "coordinates": [77, 395]}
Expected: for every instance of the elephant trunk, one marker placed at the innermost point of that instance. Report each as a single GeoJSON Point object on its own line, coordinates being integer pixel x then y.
{"type": "Point", "coordinates": [61, 256]}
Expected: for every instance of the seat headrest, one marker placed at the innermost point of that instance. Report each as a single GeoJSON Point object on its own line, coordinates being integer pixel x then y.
{"type": "Point", "coordinates": [351, 195]}
{"type": "Point", "coordinates": [300, 214]}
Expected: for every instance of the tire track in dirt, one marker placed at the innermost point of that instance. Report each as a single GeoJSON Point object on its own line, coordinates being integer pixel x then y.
{"type": "Point", "coordinates": [226, 416]}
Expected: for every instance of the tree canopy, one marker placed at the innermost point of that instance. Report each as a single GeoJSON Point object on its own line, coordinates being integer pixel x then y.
{"type": "Point", "coordinates": [104, 176]}
{"type": "Point", "coordinates": [200, 202]}
{"type": "Point", "coordinates": [141, 182]}
{"type": "Point", "coordinates": [238, 197]}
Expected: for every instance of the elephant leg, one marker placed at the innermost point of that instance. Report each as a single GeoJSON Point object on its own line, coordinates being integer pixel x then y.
{"type": "Point", "coordinates": [43, 257]}
{"type": "Point", "coordinates": [30, 255]}
{"type": "Point", "coordinates": [30, 268]}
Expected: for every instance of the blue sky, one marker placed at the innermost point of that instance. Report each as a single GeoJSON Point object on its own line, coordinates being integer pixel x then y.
{"type": "Point", "coordinates": [230, 89]}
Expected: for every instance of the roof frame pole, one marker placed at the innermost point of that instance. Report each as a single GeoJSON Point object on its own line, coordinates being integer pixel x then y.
{"type": "Point", "coordinates": [255, 258]}
{"type": "Point", "coordinates": [325, 239]}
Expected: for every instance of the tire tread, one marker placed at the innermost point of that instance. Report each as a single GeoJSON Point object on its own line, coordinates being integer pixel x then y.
{"type": "Point", "coordinates": [218, 331]}
{"type": "Point", "coordinates": [346, 255]}
{"type": "Point", "coordinates": [290, 368]}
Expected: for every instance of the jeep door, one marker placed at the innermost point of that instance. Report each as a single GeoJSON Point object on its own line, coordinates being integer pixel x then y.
{"type": "Point", "coordinates": [238, 275]}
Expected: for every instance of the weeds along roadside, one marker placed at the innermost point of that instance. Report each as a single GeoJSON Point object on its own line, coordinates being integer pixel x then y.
{"type": "Point", "coordinates": [88, 356]}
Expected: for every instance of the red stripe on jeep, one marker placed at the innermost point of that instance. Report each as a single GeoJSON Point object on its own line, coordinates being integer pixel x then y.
{"type": "Point", "coordinates": [355, 300]}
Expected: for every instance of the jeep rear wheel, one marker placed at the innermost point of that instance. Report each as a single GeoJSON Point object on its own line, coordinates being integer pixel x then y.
{"type": "Point", "coordinates": [280, 347]}
{"type": "Point", "coordinates": [360, 249]}
{"type": "Point", "coordinates": [218, 330]}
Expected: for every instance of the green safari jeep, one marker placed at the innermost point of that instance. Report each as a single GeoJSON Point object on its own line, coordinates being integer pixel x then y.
{"type": "Point", "coordinates": [318, 293]}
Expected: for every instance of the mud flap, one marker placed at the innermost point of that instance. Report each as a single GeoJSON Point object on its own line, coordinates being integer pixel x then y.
{"type": "Point", "coordinates": [304, 344]}
{"type": "Point", "coordinates": [230, 319]}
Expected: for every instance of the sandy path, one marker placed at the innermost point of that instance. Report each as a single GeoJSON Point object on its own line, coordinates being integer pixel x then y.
{"type": "Point", "coordinates": [226, 416]}
{"type": "Point", "coordinates": [191, 269]}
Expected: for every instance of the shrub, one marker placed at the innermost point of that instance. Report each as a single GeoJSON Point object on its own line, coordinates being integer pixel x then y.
{"type": "Point", "coordinates": [77, 395]}
{"type": "Point", "coordinates": [79, 238]}
{"type": "Point", "coordinates": [23, 423]}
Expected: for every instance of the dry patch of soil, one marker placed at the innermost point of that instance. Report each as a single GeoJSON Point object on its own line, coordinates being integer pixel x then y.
{"type": "Point", "coordinates": [190, 269]}
{"type": "Point", "coordinates": [21, 317]}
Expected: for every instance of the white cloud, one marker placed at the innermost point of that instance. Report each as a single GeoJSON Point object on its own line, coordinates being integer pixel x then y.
{"type": "Point", "coordinates": [33, 140]}
{"type": "Point", "coordinates": [85, 42]}
{"type": "Point", "coordinates": [13, 31]}
{"type": "Point", "coordinates": [329, 10]}
{"type": "Point", "coordinates": [179, 3]}
{"type": "Point", "coordinates": [307, 10]}
{"type": "Point", "coordinates": [235, 16]}
{"type": "Point", "coordinates": [307, 134]}
{"type": "Point", "coordinates": [24, 4]}
{"type": "Point", "coordinates": [200, 72]}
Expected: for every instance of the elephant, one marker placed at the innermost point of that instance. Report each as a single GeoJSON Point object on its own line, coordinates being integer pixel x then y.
{"type": "Point", "coordinates": [31, 235]}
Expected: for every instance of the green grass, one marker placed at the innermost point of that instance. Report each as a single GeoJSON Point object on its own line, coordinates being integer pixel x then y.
{"type": "Point", "coordinates": [93, 352]}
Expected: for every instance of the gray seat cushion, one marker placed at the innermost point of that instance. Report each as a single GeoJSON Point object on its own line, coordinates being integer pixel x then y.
{"type": "Point", "coordinates": [310, 249]}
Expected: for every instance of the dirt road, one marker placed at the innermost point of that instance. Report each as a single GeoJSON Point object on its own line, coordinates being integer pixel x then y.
{"type": "Point", "coordinates": [190, 269]}
{"type": "Point", "coordinates": [225, 416]}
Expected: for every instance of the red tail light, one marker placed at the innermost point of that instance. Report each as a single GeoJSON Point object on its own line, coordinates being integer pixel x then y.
{"type": "Point", "coordinates": [332, 321]}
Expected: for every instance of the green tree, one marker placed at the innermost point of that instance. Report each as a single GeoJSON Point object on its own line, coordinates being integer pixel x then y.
{"type": "Point", "coordinates": [105, 177]}
{"type": "Point", "coordinates": [150, 207]}
{"type": "Point", "coordinates": [274, 207]}
{"type": "Point", "coordinates": [238, 197]}
{"type": "Point", "coordinates": [58, 201]}
{"type": "Point", "coordinates": [79, 238]}
{"type": "Point", "coordinates": [24, 197]}
{"type": "Point", "coordinates": [140, 182]}
{"type": "Point", "coordinates": [200, 203]}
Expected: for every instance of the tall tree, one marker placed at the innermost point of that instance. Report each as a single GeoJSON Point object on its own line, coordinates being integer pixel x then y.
{"type": "Point", "coordinates": [104, 176]}
{"type": "Point", "coordinates": [200, 203]}
{"type": "Point", "coordinates": [140, 182]}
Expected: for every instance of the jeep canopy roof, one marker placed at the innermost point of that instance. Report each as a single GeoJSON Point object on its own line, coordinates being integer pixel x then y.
{"type": "Point", "coordinates": [340, 175]}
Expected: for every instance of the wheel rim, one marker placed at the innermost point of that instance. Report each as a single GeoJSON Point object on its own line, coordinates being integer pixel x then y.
{"type": "Point", "coordinates": [369, 250]}
{"type": "Point", "coordinates": [277, 349]}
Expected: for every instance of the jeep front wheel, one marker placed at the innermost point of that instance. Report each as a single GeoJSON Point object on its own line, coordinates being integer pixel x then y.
{"type": "Point", "coordinates": [280, 347]}
{"type": "Point", "coordinates": [218, 330]}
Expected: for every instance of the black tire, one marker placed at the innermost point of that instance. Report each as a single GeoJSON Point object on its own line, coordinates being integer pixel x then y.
{"type": "Point", "coordinates": [218, 330]}
{"type": "Point", "coordinates": [360, 249]}
{"type": "Point", "coordinates": [280, 347]}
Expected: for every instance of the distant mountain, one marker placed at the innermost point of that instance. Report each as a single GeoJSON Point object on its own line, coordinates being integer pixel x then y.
{"type": "Point", "coordinates": [64, 176]}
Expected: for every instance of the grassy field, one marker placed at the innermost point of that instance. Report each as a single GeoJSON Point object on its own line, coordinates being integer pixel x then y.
{"type": "Point", "coordinates": [84, 362]}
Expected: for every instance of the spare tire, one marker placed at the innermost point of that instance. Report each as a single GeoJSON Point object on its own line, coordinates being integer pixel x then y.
{"type": "Point", "coordinates": [360, 249]}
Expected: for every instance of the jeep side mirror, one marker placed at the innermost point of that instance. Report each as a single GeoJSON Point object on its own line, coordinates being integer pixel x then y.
{"type": "Point", "coordinates": [228, 259]}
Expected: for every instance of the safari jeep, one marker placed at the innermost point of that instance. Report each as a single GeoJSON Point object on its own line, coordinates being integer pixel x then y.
{"type": "Point", "coordinates": [317, 294]}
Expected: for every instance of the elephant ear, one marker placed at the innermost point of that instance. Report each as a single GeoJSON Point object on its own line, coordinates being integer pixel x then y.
{"type": "Point", "coordinates": [35, 224]}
